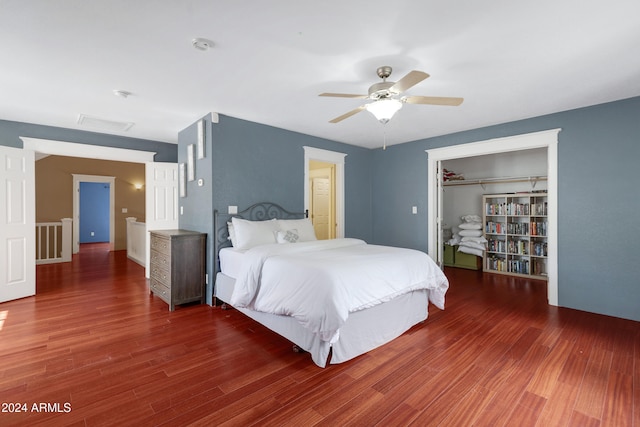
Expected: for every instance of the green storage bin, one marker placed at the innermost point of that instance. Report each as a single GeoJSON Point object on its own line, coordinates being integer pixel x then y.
{"type": "Point", "coordinates": [449, 256]}
{"type": "Point", "coordinates": [453, 258]}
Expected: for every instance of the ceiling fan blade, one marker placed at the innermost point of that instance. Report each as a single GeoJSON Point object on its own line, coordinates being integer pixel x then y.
{"type": "Point", "coordinates": [433, 100]}
{"type": "Point", "coordinates": [413, 78]}
{"type": "Point", "coordinates": [347, 115]}
{"type": "Point", "coordinates": [344, 95]}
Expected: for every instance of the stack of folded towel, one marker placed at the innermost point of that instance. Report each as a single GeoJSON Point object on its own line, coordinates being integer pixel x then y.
{"type": "Point", "coordinates": [468, 236]}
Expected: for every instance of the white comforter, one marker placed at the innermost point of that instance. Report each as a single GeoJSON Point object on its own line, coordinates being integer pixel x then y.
{"type": "Point", "coordinates": [321, 282]}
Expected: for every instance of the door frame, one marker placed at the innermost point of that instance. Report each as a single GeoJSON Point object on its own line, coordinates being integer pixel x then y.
{"type": "Point", "coordinates": [312, 153]}
{"type": "Point", "coordinates": [77, 179]}
{"type": "Point", "coordinates": [544, 139]}
{"type": "Point", "coordinates": [72, 149]}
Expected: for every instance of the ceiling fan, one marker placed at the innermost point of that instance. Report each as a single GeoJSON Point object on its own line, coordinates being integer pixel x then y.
{"type": "Point", "coordinates": [386, 96]}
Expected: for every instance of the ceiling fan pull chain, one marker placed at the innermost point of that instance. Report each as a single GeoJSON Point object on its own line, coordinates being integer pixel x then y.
{"type": "Point", "coordinates": [384, 133]}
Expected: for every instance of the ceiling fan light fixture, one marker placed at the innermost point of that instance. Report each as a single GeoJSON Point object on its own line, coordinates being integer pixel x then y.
{"type": "Point", "coordinates": [384, 109]}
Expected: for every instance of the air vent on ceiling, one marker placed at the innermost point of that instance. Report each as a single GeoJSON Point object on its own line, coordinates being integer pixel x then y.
{"type": "Point", "coordinates": [104, 124]}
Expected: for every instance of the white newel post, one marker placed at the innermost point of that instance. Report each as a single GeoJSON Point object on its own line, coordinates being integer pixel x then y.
{"type": "Point", "coordinates": [67, 245]}
{"type": "Point", "coordinates": [130, 245]}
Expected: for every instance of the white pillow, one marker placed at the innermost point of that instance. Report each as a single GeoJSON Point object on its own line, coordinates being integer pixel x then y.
{"type": "Point", "coordinates": [470, 233]}
{"type": "Point", "coordinates": [232, 233]}
{"type": "Point", "coordinates": [249, 234]}
{"type": "Point", "coordinates": [480, 239]}
{"type": "Point", "coordinates": [289, 236]}
{"type": "Point", "coordinates": [470, 226]}
{"type": "Point", "coordinates": [471, 218]}
{"type": "Point", "coordinates": [304, 227]}
{"type": "Point", "coordinates": [470, 251]}
{"type": "Point", "coordinates": [473, 245]}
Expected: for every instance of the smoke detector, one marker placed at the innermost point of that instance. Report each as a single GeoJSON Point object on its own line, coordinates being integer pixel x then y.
{"type": "Point", "coordinates": [121, 93]}
{"type": "Point", "coordinates": [201, 44]}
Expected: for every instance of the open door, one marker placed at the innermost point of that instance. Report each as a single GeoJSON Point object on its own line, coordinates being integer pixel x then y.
{"type": "Point", "coordinates": [439, 214]}
{"type": "Point", "coordinates": [161, 199]}
{"type": "Point", "coordinates": [17, 224]}
{"type": "Point", "coordinates": [322, 199]}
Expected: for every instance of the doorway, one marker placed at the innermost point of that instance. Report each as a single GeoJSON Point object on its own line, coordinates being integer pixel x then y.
{"type": "Point", "coordinates": [94, 212]}
{"type": "Point", "coordinates": [78, 180]}
{"type": "Point", "coordinates": [322, 200]}
{"type": "Point", "coordinates": [545, 139]}
{"type": "Point", "coordinates": [161, 182]}
{"type": "Point", "coordinates": [333, 161]}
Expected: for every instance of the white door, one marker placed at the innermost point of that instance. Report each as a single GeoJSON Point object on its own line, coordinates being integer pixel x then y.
{"type": "Point", "coordinates": [17, 224]}
{"type": "Point", "coordinates": [439, 214]}
{"type": "Point", "coordinates": [321, 207]}
{"type": "Point", "coordinates": [161, 199]}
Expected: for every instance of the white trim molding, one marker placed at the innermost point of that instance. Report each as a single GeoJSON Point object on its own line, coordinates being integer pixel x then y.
{"type": "Point", "coordinates": [72, 149]}
{"type": "Point", "coordinates": [312, 153]}
{"type": "Point", "coordinates": [544, 139]}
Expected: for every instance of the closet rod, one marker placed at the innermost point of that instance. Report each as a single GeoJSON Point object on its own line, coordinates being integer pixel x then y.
{"type": "Point", "coordinates": [532, 179]}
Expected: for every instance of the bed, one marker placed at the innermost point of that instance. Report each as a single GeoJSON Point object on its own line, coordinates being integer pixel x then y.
{"type": "Point", "coordinates": [335, 299]}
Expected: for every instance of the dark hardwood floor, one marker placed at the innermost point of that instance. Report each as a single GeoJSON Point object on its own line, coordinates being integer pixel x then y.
{"type": "Point", "coordinates": [96, 349]}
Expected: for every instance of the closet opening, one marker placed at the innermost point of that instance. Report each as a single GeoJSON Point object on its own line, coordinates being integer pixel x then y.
{"type": "Point", "coordinates": [512, 165]}
{"type": "Point", "coordinates": [494, 213]}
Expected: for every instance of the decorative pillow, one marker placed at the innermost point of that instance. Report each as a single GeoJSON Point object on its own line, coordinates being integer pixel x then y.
{"type": "Point", "coordinates": [249, 234]}
{"type": "Point", "coordinates": [304, 227]}
{"type": "Point", "coordinates": [470, 233]}
{"type": "Point", "coordinates": [289, 236]}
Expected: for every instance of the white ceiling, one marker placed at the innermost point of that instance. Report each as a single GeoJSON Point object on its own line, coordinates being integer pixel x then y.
{"type": "Point", "coordinates": [270, 59]}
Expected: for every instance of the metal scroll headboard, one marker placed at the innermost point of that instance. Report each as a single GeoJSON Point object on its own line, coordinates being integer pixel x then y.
{"type": "Point", "coordinates": [257, 212]}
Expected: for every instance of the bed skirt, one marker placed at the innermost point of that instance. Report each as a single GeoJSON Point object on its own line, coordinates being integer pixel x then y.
{"type": "Point", "coordinates": [363, 331]}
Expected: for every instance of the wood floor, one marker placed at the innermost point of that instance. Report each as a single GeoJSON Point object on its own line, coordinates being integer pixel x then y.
{"type": "Point", "coordinates": [96, 349]}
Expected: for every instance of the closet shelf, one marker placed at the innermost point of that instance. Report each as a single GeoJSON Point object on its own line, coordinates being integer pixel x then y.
{"type": "Point", "coordinates": [533, 180]}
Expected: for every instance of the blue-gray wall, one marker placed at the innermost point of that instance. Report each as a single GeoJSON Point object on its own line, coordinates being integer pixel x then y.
{"type": "Point", "coordinates": [254, 162]}
{"type": "Point", "coordinates": [249, 162]}
{"type": "Point", "coordinates": [598, 188]}
{"type": "Point", "coordinates": [10, 133]}
{"type": "Point", "coordinates": [196, 205]}
{"type": "Point", "coordinates": [598, 206]}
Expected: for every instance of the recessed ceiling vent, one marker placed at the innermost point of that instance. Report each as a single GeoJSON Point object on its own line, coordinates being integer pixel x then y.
{"type": "Point", "coordinates": [104, 124]}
